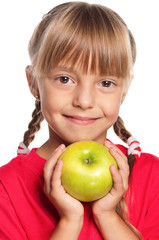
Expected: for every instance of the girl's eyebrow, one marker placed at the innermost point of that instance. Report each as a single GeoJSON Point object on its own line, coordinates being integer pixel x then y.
{"type": "Point", "coordinates": [63, 68]}
{"type": "Point", "coordinates": [74, 71]}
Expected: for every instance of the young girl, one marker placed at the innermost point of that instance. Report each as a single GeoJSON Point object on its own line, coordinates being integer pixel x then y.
{"type": "Point", "coordinates": [82, 59]}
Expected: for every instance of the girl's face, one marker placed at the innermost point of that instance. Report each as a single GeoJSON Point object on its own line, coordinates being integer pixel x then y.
{"type": "Point", "coordinates": [79, 106]}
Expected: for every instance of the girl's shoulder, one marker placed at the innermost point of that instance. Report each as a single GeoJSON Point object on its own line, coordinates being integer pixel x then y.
{"type": "Point", "coordinates": [147, 163]}
{"type": "Point", "coordinates": [145, 175]}
{"type": "Point", "coordinates": [21, 165]}
{"type": "Point", "coordinates": [11, 166]}
{"type": "Point", "coordinates": [147, 157]}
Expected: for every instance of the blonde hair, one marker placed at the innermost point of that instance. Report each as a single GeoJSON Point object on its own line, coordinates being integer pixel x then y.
{"type": "Point", "coordinates": [90, 36]}
{"type": "Point", "coordinates": [75, 32]}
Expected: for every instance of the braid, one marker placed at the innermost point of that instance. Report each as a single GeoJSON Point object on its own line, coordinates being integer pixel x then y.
{"type": "Point", "coordinates": [34, 124]}
{"type": "Point", "coordinates": [122, 210]}
{"type": "Point", "coordinates": [124, 134]}
{"type": "Point", "coordinates": [120, 130]}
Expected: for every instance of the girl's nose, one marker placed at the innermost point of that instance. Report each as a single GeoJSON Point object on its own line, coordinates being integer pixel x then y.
{"type": "Point", "coordinates": [84, 97]}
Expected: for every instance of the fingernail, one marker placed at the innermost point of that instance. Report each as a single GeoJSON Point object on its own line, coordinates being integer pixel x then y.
{"type": "Point", "coordinates": [113, 167]}
{"type": "Point", "coordinates": [58, 162]}
{"type": "Point", "coordinates": [62, 147]}
{"type": "Point", "coordinates": [56, 149]}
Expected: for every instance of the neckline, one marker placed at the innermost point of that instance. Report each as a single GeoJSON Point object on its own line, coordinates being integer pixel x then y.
{"type": "Point", "coordinates": [36, 162]}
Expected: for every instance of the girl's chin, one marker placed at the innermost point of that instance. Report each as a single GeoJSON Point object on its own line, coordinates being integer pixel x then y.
{"type": "Point", "coordinates": [83, 138]}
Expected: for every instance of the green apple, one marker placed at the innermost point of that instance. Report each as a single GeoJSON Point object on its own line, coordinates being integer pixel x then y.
{"type": "Point", "coordinates": [86, 170]}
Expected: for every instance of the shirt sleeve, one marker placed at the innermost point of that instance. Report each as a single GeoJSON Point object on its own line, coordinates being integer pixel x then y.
{"type": "Point", "coordinates": [10, 226]}
{"type": "Point", "coordinates": [151, 223]}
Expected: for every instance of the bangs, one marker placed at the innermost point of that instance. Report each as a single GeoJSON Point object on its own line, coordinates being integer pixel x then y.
{"type": "Point", "coordinates": [90, 38]}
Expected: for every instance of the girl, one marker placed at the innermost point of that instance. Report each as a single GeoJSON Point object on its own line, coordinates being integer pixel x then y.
{"type": "Point", "coordinates": [82, 59]}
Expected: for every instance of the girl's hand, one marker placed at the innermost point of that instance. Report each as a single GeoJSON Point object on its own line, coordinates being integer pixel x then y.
{"type": "Point", "coordinates": [108, 203]}
{"type": "Point", "coordinates": [68, 208]}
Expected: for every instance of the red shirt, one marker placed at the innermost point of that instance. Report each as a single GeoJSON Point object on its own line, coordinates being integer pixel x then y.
{"type": "Point", "coordinates": [26, 212]}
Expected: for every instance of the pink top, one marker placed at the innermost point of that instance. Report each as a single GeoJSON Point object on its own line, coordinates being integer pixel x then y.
{"type": "Point", "coordinates": [26, 212]}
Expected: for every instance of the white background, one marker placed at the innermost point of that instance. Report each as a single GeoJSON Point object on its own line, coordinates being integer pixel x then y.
{"type": "Point", "coordinates": [140, 109]}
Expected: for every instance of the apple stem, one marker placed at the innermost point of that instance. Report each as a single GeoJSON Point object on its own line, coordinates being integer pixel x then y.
{"type": "Point", "coordinates": [87, 161]}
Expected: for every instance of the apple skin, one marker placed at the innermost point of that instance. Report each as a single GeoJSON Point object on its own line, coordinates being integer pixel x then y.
{"type": "Point", "coordinates": [85, 173]}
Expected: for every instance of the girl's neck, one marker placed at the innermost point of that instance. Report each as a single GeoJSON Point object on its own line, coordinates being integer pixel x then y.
{"type": "Point", "coordinates": [50, 145]}
{"type": "Point", "coordinates": [53, 142]}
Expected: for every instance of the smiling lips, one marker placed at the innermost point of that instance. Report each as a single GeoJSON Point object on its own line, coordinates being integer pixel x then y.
{"type": "Point", "coordinates": [81, 120]}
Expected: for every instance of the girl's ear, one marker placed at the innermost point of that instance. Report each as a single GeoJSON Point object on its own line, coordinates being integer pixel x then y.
{"type": "Point", "coordinates": [32, 83]}
{"type": "Point", "coordinates": [125, 90]}
{"type": "Point", "coordinates": [123, 97]}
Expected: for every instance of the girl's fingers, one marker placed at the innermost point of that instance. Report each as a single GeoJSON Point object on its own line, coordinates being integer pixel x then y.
{"type": "Point", "coordinates": [118, 182]}
{"type": "Point", "coordinates": [121, 161]}
{"type": "Point", "coordinates": [110, 145]}
{"type": "Point", "coordinates": [56, 176]}
{"type": "Point", "coordinates": [50, 165]}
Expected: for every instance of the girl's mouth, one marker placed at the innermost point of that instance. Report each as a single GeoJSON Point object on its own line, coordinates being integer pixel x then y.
{"type": "Point", "coordinates": [81, 120]}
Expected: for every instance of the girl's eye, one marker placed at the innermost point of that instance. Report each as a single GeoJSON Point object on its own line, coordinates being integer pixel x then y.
{"type": "Point", "coordinates": [64, 80]}
{"type": "Point", "coordinates": [107, 84]}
